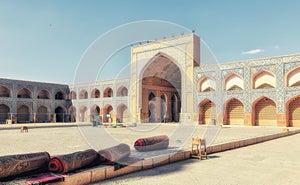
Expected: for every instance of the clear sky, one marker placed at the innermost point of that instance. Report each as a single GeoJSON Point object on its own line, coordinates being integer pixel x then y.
{"type": "Point", "coordinates": [45, 40]}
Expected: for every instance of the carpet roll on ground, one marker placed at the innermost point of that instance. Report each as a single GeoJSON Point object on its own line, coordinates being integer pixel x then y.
{"type": "Point", "coordinates": [152, 143]}
{"type": "Point", "coordinates": [114, 154]}
{"type": "Point", "coordinates": [13, 165]}
{"type": "Point", "coordinates": [70, 162]}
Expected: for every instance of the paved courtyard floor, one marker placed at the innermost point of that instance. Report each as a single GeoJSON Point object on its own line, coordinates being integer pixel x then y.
{"type": "Point", "coordinates": [274, 162]}
{"type": "Point", "coordinates": [65, 140]}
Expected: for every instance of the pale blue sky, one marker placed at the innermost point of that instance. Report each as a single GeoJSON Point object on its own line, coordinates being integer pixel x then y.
{"type": "Point", "coordinates": [53, 35]}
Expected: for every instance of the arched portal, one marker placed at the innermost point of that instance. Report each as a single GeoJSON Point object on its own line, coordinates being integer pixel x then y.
{"type": "Point", "coordinates": [175, 108]}
{"type": "Point", "coordinates": [293, 111]}
{"type": "Point", "coordinates": [162, 76]}
{"type": "Point", "coordinates": [23, 114]}
{"type": "Point", "coordinates": [207, 112]}
{"type": "Point", "coordinates": [122, 113]}
{"type": "Point", "coordinates": [234, 112]}
{"type": "Point", "coordinates": [72, 95]}
{"type": "Point", "coordinates": [72, 113]}
{"type": "Point", "coordinates": [82, 115]}
{"type": "Point", "coordinates": [83, 94]}
{"type": "Point", "coordinates": [4, 113]}
{"type": "Point", "coordinates": [24, 93]}
{"type": "Point", "coordinates": [108, 114]}
{"type": "Point", "coordinates": [4, 92]}
{"type": "Point", "coordinates": [43, 94]}
{"type": "Point", "coordinates": [122, 91]}
{"type": "Point", "coordinates": [265, 112]}
{"type": "Point", "coordinates": [108, 92]}
{"type": "Point", "coordinates": [59, 95]}
{"type": "Point", "coordinates": [95, 93]}
{"type": "Point", "coordinates": [42, 114]}
{"type": "Point", "coordinates": [60, 113]}
{"type": "Point", "coordinates": [95, 112]}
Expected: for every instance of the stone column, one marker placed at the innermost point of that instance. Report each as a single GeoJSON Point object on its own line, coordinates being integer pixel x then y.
{"type": "Point", "coordinates": [168, 107]}
{"type": "Point", "coordinates": [281, 120]}
{"type": "Point", "coordinates": [248, 119]}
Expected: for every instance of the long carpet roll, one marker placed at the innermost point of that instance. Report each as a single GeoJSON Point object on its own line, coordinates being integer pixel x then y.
{"type": "Point", "coordinates": [13, 165]}
{"type": "Point", "coordinates": [70, 162]}
{"type": "Point", "coordinates": [114, 154]}
{"type": "Point", "coordinates": [152, 143]}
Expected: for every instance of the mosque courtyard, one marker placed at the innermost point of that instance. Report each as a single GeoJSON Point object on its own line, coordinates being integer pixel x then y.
{"type": "Point", "coordinates": [272, 162]}
{"type": "Point", "coordinates": [63, 140]}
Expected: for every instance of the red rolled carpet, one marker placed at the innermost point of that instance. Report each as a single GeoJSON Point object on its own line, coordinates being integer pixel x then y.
{"type": "Point", "coordinates": [13, 165]}
{"type": "Point", "coordinates": [152, 143]}
{"type": "Point", "coordinates": [66, 163]}
{"type": "Point", "coordinates": [114, 154]}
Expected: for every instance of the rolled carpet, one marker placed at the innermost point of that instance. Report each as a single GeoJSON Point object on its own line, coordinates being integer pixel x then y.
{"type": "Point", "coordinates": [13, 165]}
{"type": "Point", "coordinates": [70, 162]}
{"type": "Point", "coordinates": [114, 154]}
{"type": "Point", "coordinates": [152, 143]}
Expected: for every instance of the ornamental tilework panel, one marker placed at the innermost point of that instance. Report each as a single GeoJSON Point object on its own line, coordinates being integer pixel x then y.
{"type": "Point", "coordinates": [290, 66]}
{"type": "Point", "coordinates": [292, 58]}
{"type": "Point", "coordinates": [25, 85]}
{"type": "Point", "coordinates": [236, 95]}
{"type": "Point", "coordinates": [263, 93]}
{"type": "Point", "coordinates": [239, 71]}
{"type": "Point", "coordinates": [46, 103]}
{"type": "Point", "coordinates": [256, 69]}
{"type": "Point", "coordinates": [195, 92]}
{"type": "Point", "coordinates": [280, 92]}
{"type": "Point", "coordinates": [219, 93]}
{"type": "Point", "coordinates": [6, 102]}
{"type": "Point", "coordinates": [208, 95]}
{"type": "Point", "coordinates": [41, 87]}
{"type": "Point", "coordinates": [28, 104]}
{"type": "Point", "coordinates": [291, 92]}
{"type": "Point", "coordinates": [247, 91]}
{"type": "Point", "coordinates": [7, 85]}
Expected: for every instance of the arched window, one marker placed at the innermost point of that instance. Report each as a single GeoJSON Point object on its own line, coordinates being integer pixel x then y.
{"type": "Point", "coordinates": [122, 91]}
{"type": "Point", "coordinates": [59, 96]}
{"type": "Point", "coordinates": [263, 79]}
{"type": "Point", "coordinates": [83, 94]}
{"type": "Point", "coordinates": [206, 84]}
{"type": "Point", "coordinates": [233, 82]}
{"type": "Point", "coordinates": [95, 93]}
{"type": "Point", "coordinates": [72, 95]}
{"type": "Point", "coordinates": [24, 93]}
{"type": "Point", "coordinates": [4, 92]}
{"type": "Point", "coordinates": [108, 92]}
{"type": "Point", "coordinates": [43, 94]}
{"type": "Point", "coordinates": [293, 77]}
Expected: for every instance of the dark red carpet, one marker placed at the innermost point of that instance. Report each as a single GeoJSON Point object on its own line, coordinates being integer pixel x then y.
{"type": "Point", "coordinates": [152, 143]}
{"type": "Point", "coordinates": [13, 165]}
{"type": "Point", "coordinates": [70, 162]}
{"type": "Point", "coordinates": [114, 154]}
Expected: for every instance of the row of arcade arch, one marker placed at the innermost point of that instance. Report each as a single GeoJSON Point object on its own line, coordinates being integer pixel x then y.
{"type": "Point", "coordinates": [107, 114]}
{"type": "Point", "coordinates": [260, 80]}
{"type": "Point", "coordinates": [263, 112]}
{"type": "Point", "coordinates": [25, 114]}
{"type": "Point", "coordinates": [60, 95]}
{"type": "Point", "coordinates": [25, 93]}
{"type": "Point", "coordinates": [95, 93]}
